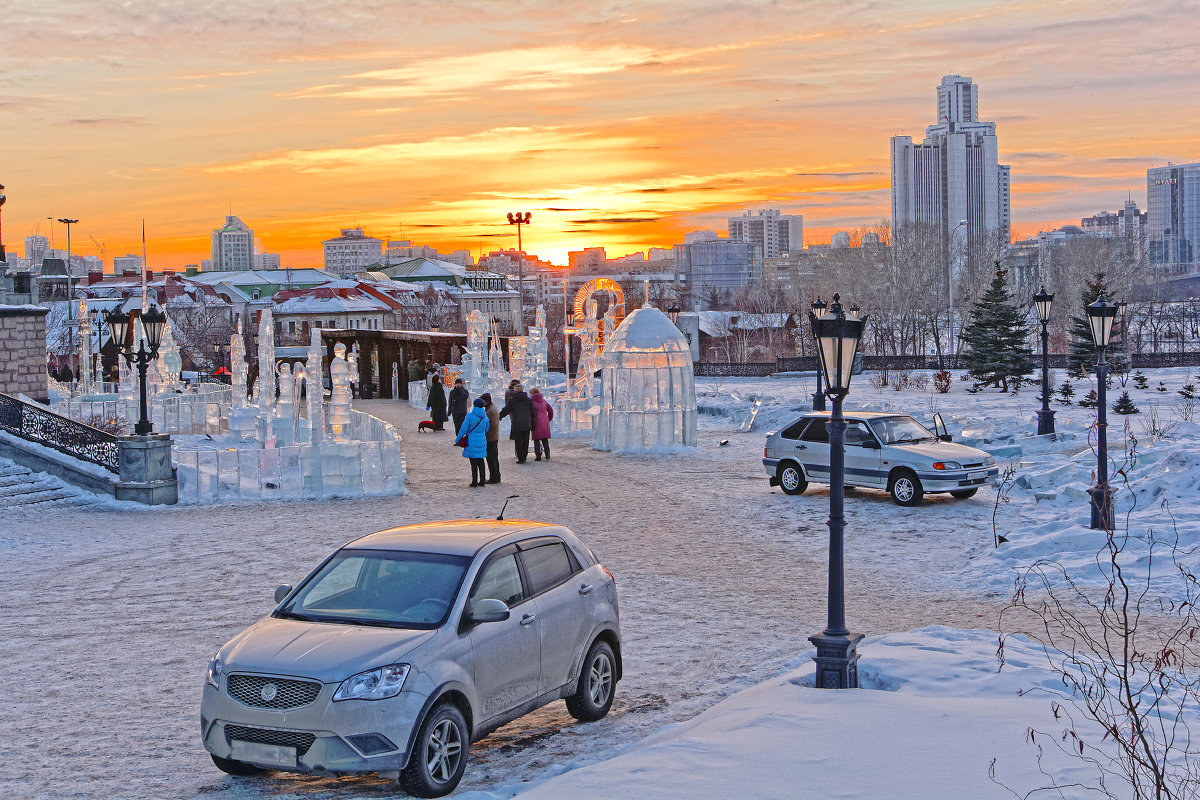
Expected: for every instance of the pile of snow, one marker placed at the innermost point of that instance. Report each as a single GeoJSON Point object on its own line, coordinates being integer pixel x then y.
{"type": "Point", "coordinates": [933, 713]}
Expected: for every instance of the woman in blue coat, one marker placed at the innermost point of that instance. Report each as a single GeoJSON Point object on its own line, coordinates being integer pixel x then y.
{"type": "Point", "coordinates": [474, 429]}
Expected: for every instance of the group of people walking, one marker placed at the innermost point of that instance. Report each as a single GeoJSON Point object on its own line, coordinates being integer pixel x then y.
{"type": "Point", "coordinates": [477, 425]}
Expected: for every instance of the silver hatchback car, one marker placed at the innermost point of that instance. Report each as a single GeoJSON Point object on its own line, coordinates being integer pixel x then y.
{"type": "Point", "coordinates": [406, 645]}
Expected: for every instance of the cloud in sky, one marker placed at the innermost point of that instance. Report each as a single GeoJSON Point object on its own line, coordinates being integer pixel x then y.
{"type": "Point", "coordinates": [641, 120]}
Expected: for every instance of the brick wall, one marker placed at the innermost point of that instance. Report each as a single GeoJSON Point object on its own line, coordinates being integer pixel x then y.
{"type": "Point", "coordinates": [23, 351]}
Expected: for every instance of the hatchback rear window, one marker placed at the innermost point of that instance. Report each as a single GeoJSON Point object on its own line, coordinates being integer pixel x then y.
{"type": "Point", "coordinates": [794, 430]}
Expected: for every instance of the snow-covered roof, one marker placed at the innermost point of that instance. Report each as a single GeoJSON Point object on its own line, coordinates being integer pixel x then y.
{"type": "Point", "coordinates": [722, 323]}
{"type": "Point", "coordinates": [254, 277]}
{"type": "Point", "coordinates": [330, 304]}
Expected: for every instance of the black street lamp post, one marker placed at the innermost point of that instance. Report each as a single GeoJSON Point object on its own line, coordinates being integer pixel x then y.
{"type": "Point", "coordinates": [152, 327]}
{"type": "Point", "coordinates": [520, 218]}
{"type": "Point", "coordinates": [818, 398]}
{"type": "Point", "coordinates": [69, 223]}
{"type": "Point", "coordinates": [1100, 316]}
{"type": "Point", "coordinates": [837, 334]}
{"type": "Point", "coordinates": [1043, 301]}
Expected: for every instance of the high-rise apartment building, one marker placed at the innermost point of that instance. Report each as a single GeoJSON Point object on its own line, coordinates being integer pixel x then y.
{"type": "Point", "coordinates": [775, 234]}
{"type": "Point", "coordinates": [36, 248]}
{"type": "Point", "coordinates": [232, 246]}
{"type": "Point", "coordinates": [1173, 226]}
{"type": "Point", "coordinates": [953, 175]}
{"type": "Point", "coordinates": [351, 251]}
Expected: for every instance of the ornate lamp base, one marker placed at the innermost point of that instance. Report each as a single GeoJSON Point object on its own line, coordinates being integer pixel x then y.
{"type": "Point", "coordinates": [837, 660]}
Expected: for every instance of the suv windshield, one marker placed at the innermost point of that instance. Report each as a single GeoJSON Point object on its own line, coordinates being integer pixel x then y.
{"type": "Point", "coordinates": [388, 588]}
{"type": "Point", "coordinates": [901, 430]}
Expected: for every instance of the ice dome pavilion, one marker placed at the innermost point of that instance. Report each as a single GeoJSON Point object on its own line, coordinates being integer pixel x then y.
{"type": "Point", "coordinates": [648, 387]}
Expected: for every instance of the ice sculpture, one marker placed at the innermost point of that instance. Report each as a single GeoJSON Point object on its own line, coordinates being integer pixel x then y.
{"type": "Point", "coordinates": [648, 388]}
{"type": "Point", "coordinates": [589, 360]}
{"type": "Point", "coordinates": [339, 402]}
{"type": "Point", "coordinates": [264, 387]}
{"type": "Point", "coordinates": [497, 377]}
{"type": "Point", "coordinates": [537, 352]}
{"type": "Point", "coordinates": [243, 420]}
{"type": "Point", "coordinates": [517, 346]}
{"type": "Point", "coordinates": [477, 378]}
{"type": "Point", "coordinates": [315, 389]}
{"type": "Point", "coordinates": [85, 349]}
{"type": "Point", "coordinates": [283, 422]}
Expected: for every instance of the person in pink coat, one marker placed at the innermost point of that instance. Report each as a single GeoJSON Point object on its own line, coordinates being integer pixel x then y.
{"type": "Point", "coordinates": [543, 412]}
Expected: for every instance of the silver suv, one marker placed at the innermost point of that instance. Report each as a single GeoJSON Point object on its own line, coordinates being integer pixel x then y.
{"type": "Point", "coordinates": [883, 451]}
{"type": "Point", "coordinates": [406, 645]}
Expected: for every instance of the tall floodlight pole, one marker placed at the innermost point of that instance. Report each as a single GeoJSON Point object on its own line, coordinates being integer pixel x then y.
{"type": "Point", "coordinates": [838, 334]}
{"type": "Point", "coordinates": [70, 292]}
{"type": "Point", "coordinates": [520, 218]}
{"type": "Point", "coordinates": [1043, 301]}
{"type": "Point", "coordinates": [950, 290]}
{"type": "Point", "coordinates": [3, 258]}
{"type": "Point", "coordinates": [1100, 317]}
{"type": "Point", "coordinates": [818, 398]}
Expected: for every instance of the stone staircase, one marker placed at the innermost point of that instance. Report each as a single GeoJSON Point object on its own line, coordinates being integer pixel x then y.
{"type": "Point", "coordinates": [20, 486]}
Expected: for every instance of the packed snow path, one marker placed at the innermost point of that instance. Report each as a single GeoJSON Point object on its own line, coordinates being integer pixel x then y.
{"type": "Point", "coordinates": [112, 614]}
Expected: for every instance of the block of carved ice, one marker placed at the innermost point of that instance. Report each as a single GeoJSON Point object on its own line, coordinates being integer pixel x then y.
{"type": "Point", "coordinates": [418, 394]}
{"type": "Point", "coordinates": [372, 468]}
{"type": "Point", "coordinates": [186, 464]}
{"type": "Point", "coordinates": [270, 473]}
{"type": "Point", "coordinates": [228, 475]}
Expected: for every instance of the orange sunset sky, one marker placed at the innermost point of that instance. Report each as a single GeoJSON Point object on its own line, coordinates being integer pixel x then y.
{"type": "Point", "coordinates": [618, 124]}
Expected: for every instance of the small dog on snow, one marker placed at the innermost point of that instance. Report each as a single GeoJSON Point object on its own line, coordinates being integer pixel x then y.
{"type": "Point", "coordinates": [425, 425]}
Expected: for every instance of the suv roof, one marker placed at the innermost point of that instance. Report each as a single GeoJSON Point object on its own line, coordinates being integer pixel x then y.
{"type": "Point", "coordinates": [455, 537]}
{"type": "Point", "coordinates": [862, 414]}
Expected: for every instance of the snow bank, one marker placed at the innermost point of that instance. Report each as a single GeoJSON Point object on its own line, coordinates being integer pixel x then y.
{"type": "Point", "coordinates": [933, 714]}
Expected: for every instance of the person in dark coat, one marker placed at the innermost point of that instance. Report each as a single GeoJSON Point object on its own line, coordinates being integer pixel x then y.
{"type": "Point", "coordinates": [460, 400]}
{"type": "Point", "coordinates": [519, 411]}
{"type": "Point", "coordinates": [543, 413]}
{"type": "Point", "coordinates": [475, 428]}
{"type": "Point", "coordinates": [512, 387]}
{"type": "Point", "coordinates": [493, 437]}
{"type": "Point", "coordinates": [437, 403]}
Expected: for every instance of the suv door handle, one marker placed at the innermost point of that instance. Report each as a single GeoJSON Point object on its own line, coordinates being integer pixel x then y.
{"type": "Point", "coordinates": [585, 588]}
{"type": "Point", "coordinates": [528, 618]}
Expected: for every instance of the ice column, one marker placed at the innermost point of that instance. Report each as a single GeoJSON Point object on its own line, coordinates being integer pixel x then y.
{"type": "Point", "coordinates": [316, 389]}
{"type": "Point", "coordinates": [339, 403]}
{"type": "Point", "coordinates": [85, 349]}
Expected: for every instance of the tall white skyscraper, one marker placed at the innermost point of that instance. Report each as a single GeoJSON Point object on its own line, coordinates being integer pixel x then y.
{"type": "Point", "coordinates": [232, 246]}
{"type": "Point", "coordinates": [953, 175]}
{"type": "Point", "coordinates": [775, 234]}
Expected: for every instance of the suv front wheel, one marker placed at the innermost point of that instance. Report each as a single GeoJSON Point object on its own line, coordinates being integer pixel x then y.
{"type": "Point", "coordinates": [906, 488]}
{"type": "Point", "coordinates": [439, 754]}
{"type": "Point", "coordinates": [791, 478]}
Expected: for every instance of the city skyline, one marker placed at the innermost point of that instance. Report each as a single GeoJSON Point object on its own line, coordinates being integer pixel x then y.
{"type": "Point", "coordinates": [617, 126]}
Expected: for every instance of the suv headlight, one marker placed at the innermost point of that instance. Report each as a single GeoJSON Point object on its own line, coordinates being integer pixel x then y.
{"type": "Point", "coordinates": [375, 684]}
{"type": "Point", "coordinates": [215, 670]}
{"type": "Point", "coordinates": [947, 465]}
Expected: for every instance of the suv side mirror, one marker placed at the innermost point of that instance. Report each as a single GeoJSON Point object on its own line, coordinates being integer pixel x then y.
{"type": "Point", "coordinates": [487, 610]}
{"type": "Point", "coordinates": [282, 591]}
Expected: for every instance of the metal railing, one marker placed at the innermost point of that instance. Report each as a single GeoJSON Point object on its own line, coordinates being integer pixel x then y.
{"type": "Point", "coordinates": [43, 427]}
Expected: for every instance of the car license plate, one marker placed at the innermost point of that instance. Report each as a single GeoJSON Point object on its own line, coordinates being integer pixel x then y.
{"type": "Point", "coordinates": [257, 753]}
{"type": "Point", "coordinates": [976, 476]}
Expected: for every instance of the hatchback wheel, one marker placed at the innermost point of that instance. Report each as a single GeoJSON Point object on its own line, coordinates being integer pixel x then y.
{"type": "Point", "coordinates": [791, 478]}
{"type": "Point", "coordinates": [439, 754]}
{"type": "Point", "coordinates": [238, 768]}
{"type": "Point", "coordinates": [906, 489]}
{"type": "Point", "coordinates": [597, 682]}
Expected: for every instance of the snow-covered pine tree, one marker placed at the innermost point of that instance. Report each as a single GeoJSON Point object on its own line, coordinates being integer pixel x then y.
{"type": "Point", "coordinates": [1124, 405]}
{"type": "Point", "coordinates": [1081, 359]}
{"type": "Point", "coordinates": [995, 343]}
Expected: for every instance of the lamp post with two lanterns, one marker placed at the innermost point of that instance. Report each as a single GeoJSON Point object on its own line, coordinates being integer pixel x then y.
{"type": "Point", "coordinates": [1100, 317]}
{"type": "Point", "coordinates": [837, 334]}
{"type": "Point", "coordinates": [152, 328]}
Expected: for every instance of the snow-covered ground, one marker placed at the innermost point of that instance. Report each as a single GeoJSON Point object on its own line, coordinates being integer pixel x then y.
{"type": "Point", "coordinates": [111, 614]}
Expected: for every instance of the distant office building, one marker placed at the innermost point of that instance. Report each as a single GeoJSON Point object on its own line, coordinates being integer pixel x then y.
{"type": "Point", "coordinates": [590, 259]}
{"type": "Point", "coordinates": [351, 251]}
{"type": "Point", "coordinates": [404, 250]}
{"type": "Point", "coordinates": [953, 175]}
{"type": "Point", "coordinates": [840, 239]}
{"type": "Point", "coordinates": [700, 236]}
{"type": "Point", "coordinates": [127, 263]}
{"type": "Point", "coordinates": [36, 249]}
{"type": "Point", "coordinates": [773, 232]}
{"type": "Point", "coordinates": [232, 246]}
{"type": "Point", "coordinates": [1128, 222]}
{"type": "Point", "coordinates": [461, 257]}
{"type": "Point", "coordinates": [720, 264]}
{"type": "Point", "coordinates": [1173, 224]}
{"type": "Point", "coordinates": [266, 261]}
